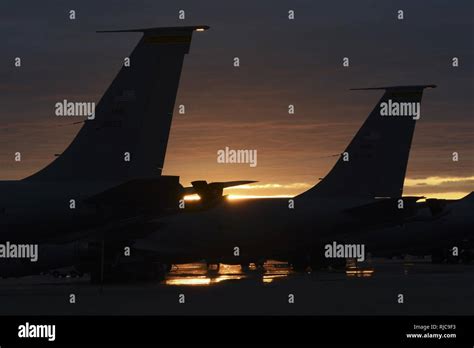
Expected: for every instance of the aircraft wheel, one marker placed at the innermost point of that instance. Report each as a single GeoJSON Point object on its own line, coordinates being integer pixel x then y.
{"type": "Point", "coordinates": [213, 267]}
{"type": "Point", "coordinates": [260, 266]}
{"type": "Point", "coordinates": [245, 267]}
{"type": "Point", "coordinates": [299, 265]}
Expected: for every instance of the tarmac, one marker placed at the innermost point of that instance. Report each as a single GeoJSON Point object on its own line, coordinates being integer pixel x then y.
{"type": "Point", "coordinates": [372, 288]}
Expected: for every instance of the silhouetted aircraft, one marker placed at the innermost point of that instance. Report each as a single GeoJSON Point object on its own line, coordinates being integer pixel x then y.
{"type": "Point", "coordinates": [108, 181]}
{"type": "Point", "coordinates": [123, 147]}
{"type": "Point", "coordinates": [127, 224]}
{"type": "Point", "coordinates": [363, 191]}
{"type": "Point", "coordinates": [442, 228]}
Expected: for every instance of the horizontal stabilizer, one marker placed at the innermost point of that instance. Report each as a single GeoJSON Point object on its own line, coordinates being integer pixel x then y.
{"type": "Point", "coordinates": [214, 189]}
{"type": "Point", "coordinates": [384, 212]}
{"type": "Point", "coordinates": [159, 30]}
{"type": "Point", "coordinates": [383, 208]}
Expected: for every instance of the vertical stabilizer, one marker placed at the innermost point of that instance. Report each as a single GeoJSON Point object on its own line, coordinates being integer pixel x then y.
{"type": "Point", "coordinates": [375, 162]}
{"type": "Point", "coordinates": [128, 137]}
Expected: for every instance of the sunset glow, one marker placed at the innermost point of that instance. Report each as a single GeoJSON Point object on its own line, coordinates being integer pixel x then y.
{"type": "Point", "coordinates": [430, 187]}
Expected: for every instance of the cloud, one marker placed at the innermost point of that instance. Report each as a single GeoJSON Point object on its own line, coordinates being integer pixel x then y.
{"type": "Point", "coordinates": [293, 186]}
{"type": "Point", "coordinates": [438, 181]}
{"type": "Point", "coordinates": [442, 186]}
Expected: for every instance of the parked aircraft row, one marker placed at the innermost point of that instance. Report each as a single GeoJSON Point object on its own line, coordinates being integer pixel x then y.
{"type": "Point", "coordinates": [104, 208]}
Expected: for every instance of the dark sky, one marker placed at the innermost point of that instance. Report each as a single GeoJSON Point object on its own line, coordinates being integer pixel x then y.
{"type": "Point", "coordinates": [282, 62]}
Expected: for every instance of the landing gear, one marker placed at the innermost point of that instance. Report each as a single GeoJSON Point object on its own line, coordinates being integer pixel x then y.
{"type": "Point", "coordinates": [300, 264]}
{"type": "Point", "coordinates": [213, 267]}
{"type": "Point", "coordinates": [260, 266]}
{"type": "Point", "coordinates": [245, 267]}
{"type": "Point", "coordinates": [107, 264]}
{"type": "Point", "coordinates": [316, 261]}
{"type": "Point", "coordinates": [257, 266]}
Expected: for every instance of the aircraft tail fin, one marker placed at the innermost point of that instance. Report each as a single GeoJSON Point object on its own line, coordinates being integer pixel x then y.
{"type": "Point", "coordinates": [128, 136]}
{"type": "Point", "coordinates": [375, 162]}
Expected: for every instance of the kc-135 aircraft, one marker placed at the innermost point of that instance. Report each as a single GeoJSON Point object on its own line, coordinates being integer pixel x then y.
{"type": "Point", "coordinates": [109, 178]}
{"type": "Point", "coordinates": [117, 157]}
{"type": "Point", "coordinates": [359, 202]}
{"type": "Point", "coordinates": [124, 204]}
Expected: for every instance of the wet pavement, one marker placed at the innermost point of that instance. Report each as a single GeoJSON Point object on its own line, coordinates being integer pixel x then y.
{"type": "Point", "coordinates": [372, 288]}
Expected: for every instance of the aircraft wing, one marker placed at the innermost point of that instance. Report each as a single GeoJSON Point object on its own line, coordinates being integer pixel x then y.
{"type": "Point", "coordinates": [211, 191]}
